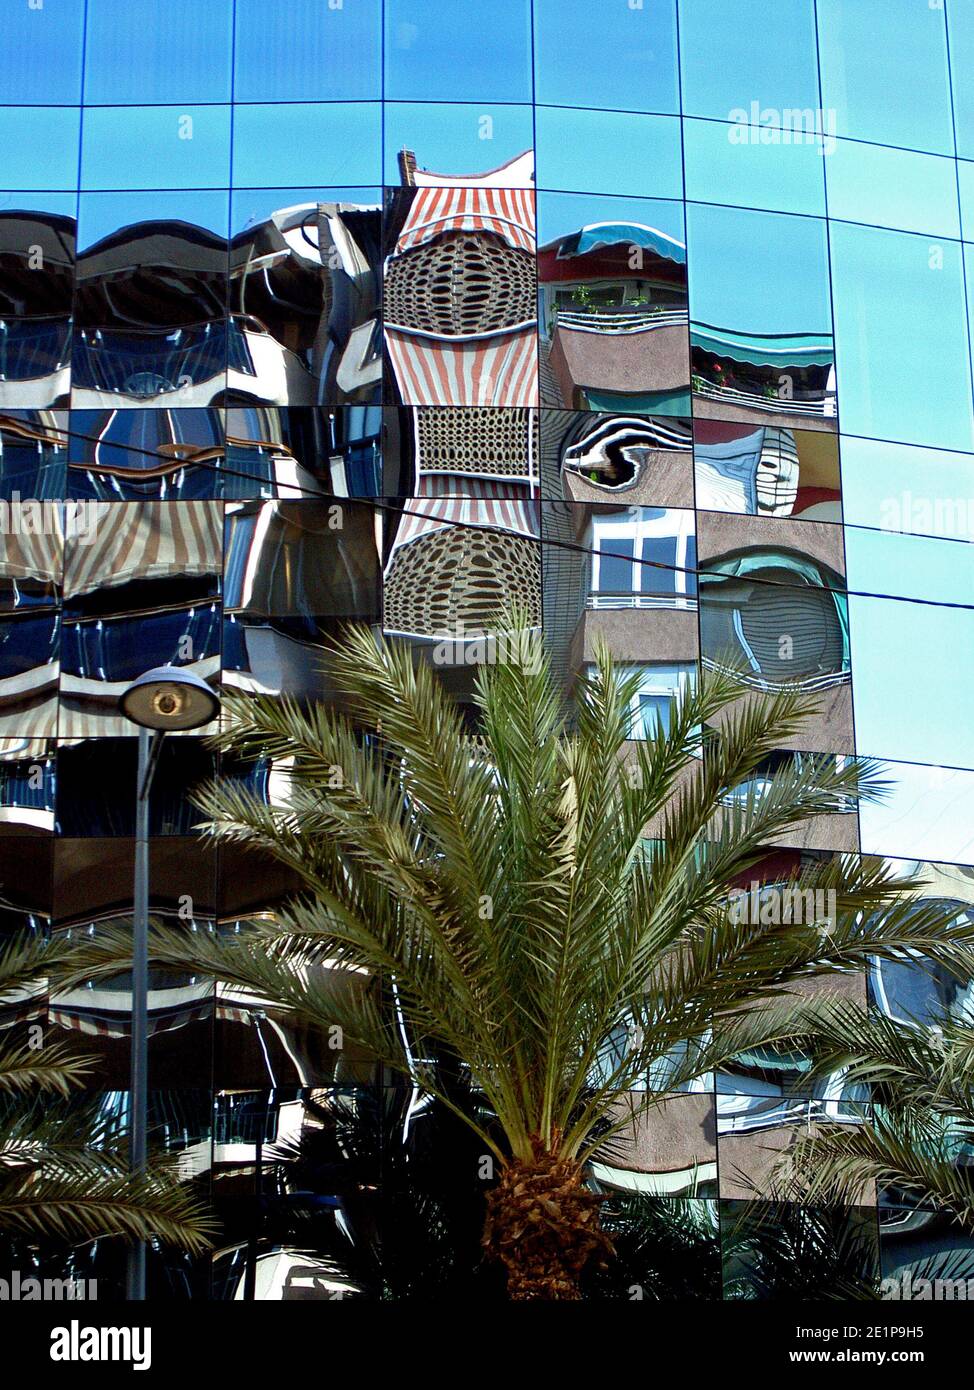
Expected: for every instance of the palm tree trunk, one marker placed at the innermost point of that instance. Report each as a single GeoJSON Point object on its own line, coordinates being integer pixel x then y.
{"type": "Point", "coordinates": [542, 1225]}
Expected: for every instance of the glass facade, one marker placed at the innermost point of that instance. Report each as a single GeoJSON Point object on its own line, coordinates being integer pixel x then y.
{"type": "Point", "coordinates": [654, 316]}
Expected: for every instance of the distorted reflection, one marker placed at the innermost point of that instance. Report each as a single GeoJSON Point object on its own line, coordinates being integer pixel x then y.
{"type": "Point", "coordinates": [767, 471]}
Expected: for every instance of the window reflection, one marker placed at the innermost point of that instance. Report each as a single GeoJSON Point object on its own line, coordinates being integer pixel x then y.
{"type": "Point", "coordinates": [295, 144]}
{"type": "Point", "coordinates": [127, 455]}
{"type": "Point", "coordinates": [450, 566]}
{"type": "Point", "coordinates": [299, 452]}
{"type": "Point", "coordinates": [48, 42]}
{"type": "Point", "coordinates": [741, 165]}
{"type": "Point", "coordinates": [884, 72]}
{"type": "Point", "coordinates": [640, 458]}
{"type": "Point", "coordinates": [37, 253]}
{"type": "Point", "coordinates": [761, 338]}
{"type": "Point", "coordinates": [30, 581]}
{"type": "Point", "coordinates": [609, 152]}
{"type": "Point", "coordinates": [766, 471]}
{"type": "Point", "coordinates": [304, 287]}
{"type": "Point", "coordinates": [95, 778]}
{"type": "Point", "coordinates": [139, 593]}
{"type": "Point", "coordinates": [27, 782]}
{"type": "Point", "coordinates": [893, 188]}
{"type": "Point", "coordinates": [642, 557]}
{"type": "Point", "coordinates": [151, 259]}
{"type": "Point", "coordinates": [40, 146]}
{"type": "Point", "coordinates": [750, 53]}
{"type": "Point", "coordinates": [453, 143]}
{"type": "Point", "coordinates": [162, 147]}
{"type": "Point", "coordinates": [750, 601]}
{"type": "Point", "coordinates": [928, 813]}
{"type": "Point", "coordinates": [33, 454]}
{"type": "Point", "coordinates": [293, 570]}
{"type": "Point", "coordinates": [92, 893]}
{"type": "Point", "coordinates": [613, 297]}
{"type": "Point", "coordinates": [459, 298]}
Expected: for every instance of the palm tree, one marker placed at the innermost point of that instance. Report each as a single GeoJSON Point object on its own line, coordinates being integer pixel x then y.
{"type": "Point", "coordinates": [493, 897]}
{"type": "Point", "coordinates": [63, 1166]}
{"type": "Point", "coordinates": [916, 1140]}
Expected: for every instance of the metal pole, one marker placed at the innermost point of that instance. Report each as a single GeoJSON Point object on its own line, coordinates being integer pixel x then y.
{"type": "Point", "coordinates": [138, 1107]}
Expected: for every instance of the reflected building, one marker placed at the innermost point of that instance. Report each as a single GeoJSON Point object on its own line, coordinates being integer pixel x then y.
{"type": "Point", "coordinates": [401, 329]}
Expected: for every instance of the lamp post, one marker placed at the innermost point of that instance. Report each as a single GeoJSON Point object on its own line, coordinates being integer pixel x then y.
{"type": "Point", "coordinates": [162, 700]}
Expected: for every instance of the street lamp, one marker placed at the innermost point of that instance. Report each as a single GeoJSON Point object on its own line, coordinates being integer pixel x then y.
{"type": "Point", "coordinates": [161, 700]}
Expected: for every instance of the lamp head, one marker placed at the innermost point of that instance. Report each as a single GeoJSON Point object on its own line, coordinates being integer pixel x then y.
{"type": "Point", "coordinates": [169, 698]}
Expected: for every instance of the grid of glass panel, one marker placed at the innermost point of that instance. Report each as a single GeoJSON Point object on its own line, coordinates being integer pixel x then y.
{"type": "Point", "coordinates": [624, 308]}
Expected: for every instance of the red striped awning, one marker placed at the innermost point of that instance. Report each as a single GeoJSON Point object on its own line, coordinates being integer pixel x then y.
{"type": "Point", "coordinates": [490, 509]}
{"type": "Point", "coordinates": [507, 212]}
{"type": "Point", "coordinates": [497, 369]}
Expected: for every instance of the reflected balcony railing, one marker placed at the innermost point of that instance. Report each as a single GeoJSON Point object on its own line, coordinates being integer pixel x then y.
{"type": "Point", "coordinates": [801, 403]}
{"type": "Point", "coordinates": [620, 319]}
{"type": "Point", "coordinates": [611, 598]}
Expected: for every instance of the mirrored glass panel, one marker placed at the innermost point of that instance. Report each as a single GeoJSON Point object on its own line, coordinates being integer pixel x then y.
{"type": "Point", "coordinates": [784, 1252]}
{"type": "Point", "coordinates": [578, 46]}
{"type": "Point", "coordinates": [761, 338]}
{"type": "Point", "coordinates": [299, 452]}
{"type": "Point", "coordinates": [294, 570]}
{"type": "Point", "coordinates": [304, 299]}
{"type": "Point", "coordinates": [93, 892]}
{"type": "Point", "coordinates": [940, 642]}
{"type": "Point", "coordinates": [430, 142]}
{"type": "Point", "coordinates": [151, 259]}
{"type": "Point", "coordinates": [95, 778]}
{"type": "Point", "coordinates": [295, 144]}
{"type": "Point", "coordinates": [307, 51]}
{"type": "Point", "coordinates": [612, 286]}
{"type": "Point", "coordinates": [37, 255]}
{"type": "Point", "coordinates": [142, 53]}
{"type": "Point", "coordinates": [142, 586]}
{"type": "Point", "coordinates": [436, 50]}
{"type": "Point", "coordinates": [459, 297]}
{"type": "Point", "coordinates": [884, 72]}
{"type": "Point", "coordinates": [636, 459]}
{"type": "Point", "coordinates": [27, 784]}
{"type": "Point", "coordinates": [33, 454]}
{"type": "Point", "coordinates": [128, 455]}
{"type": "Point", "coordinates": [40, 145]}
{"type": "Point", "coordinates": [901, 337]}
{"type": "Point", "coordinates": [766, 471]}
{"type": "Point", "coordinates": [155, 147]}
{"type": "Point", "coordinates": [448, 566]}
{"type": "Point", "coordinates": [893, 188]}
{"type": "Point", "coordinates": [48, 41]}
{"type": "Point", "coordinates": [751, 63]}
{"type": "Point", "coordinates": [468, 451]}
{"type": "Point", "coordinates": [898, 487]}
{"type": "Point", "coordinates": [928, 814]}
{"type": "Point", "coordinates": [609, 152]}
{"type": "Point", "coordinates": [744, 165]}
{"type": "Point", "coordinates": [30, 589]}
